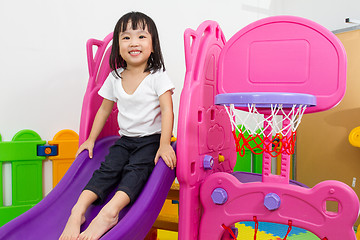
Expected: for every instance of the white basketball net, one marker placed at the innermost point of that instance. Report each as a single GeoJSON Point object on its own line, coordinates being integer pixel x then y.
{"type": "Point", "coordinates": [274, 133]}
{"type": "Point", "coordinates": [254, 122]}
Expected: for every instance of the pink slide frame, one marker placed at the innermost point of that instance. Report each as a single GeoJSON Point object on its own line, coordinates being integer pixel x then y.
{"type": "Point", "coordinates": [92, 99]}
{"type": "Point", "coordinates": [275, 54]}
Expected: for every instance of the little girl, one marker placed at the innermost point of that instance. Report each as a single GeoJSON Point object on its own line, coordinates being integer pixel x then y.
{"type": "Point", "coordinates": [143, 93]}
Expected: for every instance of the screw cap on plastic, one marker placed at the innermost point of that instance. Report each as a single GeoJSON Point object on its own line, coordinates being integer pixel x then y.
{"type": "Point", "coordinates": [219, 196]}
{"type": "Point", "coordinates": [208, 162]}
{"type": "Point", "coordinates": [272, 201]}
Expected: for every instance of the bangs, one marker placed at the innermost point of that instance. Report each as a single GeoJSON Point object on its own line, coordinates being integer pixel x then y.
{"type": "Point", "coordinates": [137, 22]}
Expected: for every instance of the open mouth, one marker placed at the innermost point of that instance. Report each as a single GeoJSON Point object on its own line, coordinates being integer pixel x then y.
{"type": "Point", "coordinates": [134, 52]}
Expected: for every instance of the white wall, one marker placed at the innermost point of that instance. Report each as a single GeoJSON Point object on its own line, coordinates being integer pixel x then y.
{"type": "Point", "coordinates": [43, 60]}
{"type": "Point", "coordinates": [43, 68]}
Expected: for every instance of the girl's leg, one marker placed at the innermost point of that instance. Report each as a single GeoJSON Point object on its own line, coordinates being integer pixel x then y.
{"type": "Point", "coordinates": [107, 217]}
{"type": "Point", "coordinates": [77, 217]}
{"type": "Point", "coordinates": [107, 177]}
{"type": "Point", "coordinates": [134, 175]}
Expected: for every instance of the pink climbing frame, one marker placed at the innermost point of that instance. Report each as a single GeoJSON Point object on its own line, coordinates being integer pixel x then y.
{"type": "Point", "coordinates": [276, 54]}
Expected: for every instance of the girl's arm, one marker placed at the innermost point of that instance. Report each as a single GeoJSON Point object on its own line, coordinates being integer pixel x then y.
{"type": "Point", "coordinates": [98, 124]}
{"type": "Point", "coordinates": [165, 151]}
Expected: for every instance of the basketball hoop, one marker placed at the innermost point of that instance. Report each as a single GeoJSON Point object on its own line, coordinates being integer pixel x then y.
{"type": "Point", "coordinates": [269, 122]}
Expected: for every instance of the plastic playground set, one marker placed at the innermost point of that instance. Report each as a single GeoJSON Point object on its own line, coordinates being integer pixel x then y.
{"type": "Point", "coordinates": [274, 70]}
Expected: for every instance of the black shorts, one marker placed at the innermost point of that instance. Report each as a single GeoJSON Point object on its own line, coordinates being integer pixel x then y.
{"type": "Point", "coordinates": [128, 165]}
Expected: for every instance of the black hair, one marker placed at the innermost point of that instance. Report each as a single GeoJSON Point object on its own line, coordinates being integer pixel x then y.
{"type": "Point", "coordinates": [138, 20]}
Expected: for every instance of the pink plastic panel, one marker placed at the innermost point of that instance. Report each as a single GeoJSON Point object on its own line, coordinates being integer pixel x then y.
{"type": "Point", "coordinates": [306, 208]}
{"type": "Point", "coordinates": [99, 69]}
{"type": "Point", "coordinates": [203, 128]}
{"type": "Point", "coordinates": [285, 54]}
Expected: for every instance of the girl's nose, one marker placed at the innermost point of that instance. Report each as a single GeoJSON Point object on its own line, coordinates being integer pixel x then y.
{"type": "Point", "coordinates": [134, 43]}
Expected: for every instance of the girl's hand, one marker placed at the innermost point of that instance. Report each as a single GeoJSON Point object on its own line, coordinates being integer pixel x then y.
{"type": "Point", "coordinates": [88, 145]}
{"type": "Point", "coordinates": [167, 153]}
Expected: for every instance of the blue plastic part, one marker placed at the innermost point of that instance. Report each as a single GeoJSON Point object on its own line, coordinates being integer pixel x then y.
{"type": "Point", "coordinates": [275, 228]}
{"type": "Point", "coordinates": [47, 150]}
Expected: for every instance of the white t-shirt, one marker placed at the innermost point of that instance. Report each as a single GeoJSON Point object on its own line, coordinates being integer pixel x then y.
{"type": "Point", "coordinates": [139, 113]}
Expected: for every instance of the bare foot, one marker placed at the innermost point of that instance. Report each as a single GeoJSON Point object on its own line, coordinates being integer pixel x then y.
{"type": "Point", "coordinates": [103, 222]}
{"type": "Point", "coordinates": [72, 228]}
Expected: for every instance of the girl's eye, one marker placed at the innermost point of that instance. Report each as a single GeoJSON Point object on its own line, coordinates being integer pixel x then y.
{"type": "Point", "coordinates": [126, 38]}
{"type": "Point", "coordinates": [141, 37]}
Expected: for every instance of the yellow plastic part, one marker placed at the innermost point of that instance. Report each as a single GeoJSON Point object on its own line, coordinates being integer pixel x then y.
{"type": "Point", "coordinates": [221, 158]}
{"type": "Point", "coordinates": [358, 232]}
{"type": "Point", "coordinates": [68, 143]}
{"type": "Point", "coordinates": [168, 218]}
{"type": "Point", "coordinates": [354, 137]}
{"type": "Point", "coordinates": [167, 235]}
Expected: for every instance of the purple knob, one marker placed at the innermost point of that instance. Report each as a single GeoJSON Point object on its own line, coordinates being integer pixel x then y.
{"type": "Point", "coordinates": [208, 162]}
{"type": "Point", "coordinates": [272, 201]}
{"type": "Point", "coordinates": [219, 196]}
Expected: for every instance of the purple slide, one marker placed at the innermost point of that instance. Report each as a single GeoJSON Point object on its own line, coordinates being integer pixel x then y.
{"type": "Point", "coordinates": [46, 220]}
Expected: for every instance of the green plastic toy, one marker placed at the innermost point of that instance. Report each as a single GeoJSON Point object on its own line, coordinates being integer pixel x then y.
{"type": "Point", "coordinates": [26, 165]}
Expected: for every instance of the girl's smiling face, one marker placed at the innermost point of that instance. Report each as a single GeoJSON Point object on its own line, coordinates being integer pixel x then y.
{"type": "Point", "coordinates": [135, 46]}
